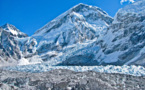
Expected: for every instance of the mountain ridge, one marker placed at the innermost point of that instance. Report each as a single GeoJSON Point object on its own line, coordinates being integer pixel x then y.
{"type": "Point", "coordinates": [87, 35]}
{"type": "Point", "coordinates": [73, 9]}
{"type": "Point", "coordinates": [13, 30]}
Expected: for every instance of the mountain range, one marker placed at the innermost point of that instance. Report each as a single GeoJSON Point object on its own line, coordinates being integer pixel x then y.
{"type": "Point", "coordinates": [83, 35]}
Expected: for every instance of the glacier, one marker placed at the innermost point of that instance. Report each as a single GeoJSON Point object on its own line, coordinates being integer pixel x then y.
{"type": "Point", "coordinates": [37, 68]}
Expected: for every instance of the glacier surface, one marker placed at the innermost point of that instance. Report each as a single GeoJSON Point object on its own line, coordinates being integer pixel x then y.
{"type": "Point", "coordinates": [130, 70]}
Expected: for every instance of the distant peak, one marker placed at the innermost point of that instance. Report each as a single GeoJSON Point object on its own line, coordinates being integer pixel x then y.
{"type": "Point", "coordinates": [81, 5]}
{"type": "Point", "coordinates": [7, 25]}
{"type": "Point", "coordinates": [13, 30]}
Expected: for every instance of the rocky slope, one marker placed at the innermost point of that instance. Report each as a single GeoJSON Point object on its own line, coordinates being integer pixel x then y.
{"type": "Point", "coordinates": [9, 47]}
{"type": "Point", "coordinates": [62, 79]}
{"type": "Point", "coordinates": [15, 47]}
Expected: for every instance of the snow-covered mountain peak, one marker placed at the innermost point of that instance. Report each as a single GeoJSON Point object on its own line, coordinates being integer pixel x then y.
{"type": "Point", "coordinates": [80, 5]}
{"type": "Point", "coordinates": [13, 30]}
{"type": "Point", "coordinates": [136, 9]}
{"type": "Point", "coordinates": [84, 7]}
{"type": "Point", "coordinates": [90, 14]}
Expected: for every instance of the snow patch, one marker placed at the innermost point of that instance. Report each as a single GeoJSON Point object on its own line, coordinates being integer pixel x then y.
{"type": "Point", "coordinates": [23, 61]}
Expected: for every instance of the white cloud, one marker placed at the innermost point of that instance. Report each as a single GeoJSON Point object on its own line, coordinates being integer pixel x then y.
{"type": "Point", "coordinates": [130, 1]}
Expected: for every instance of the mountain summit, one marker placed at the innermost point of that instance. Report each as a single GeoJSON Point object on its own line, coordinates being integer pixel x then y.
{"type": "Point", "coordinates": [83, 12]}
{"type": "Point", "coordinates": [13, 30]}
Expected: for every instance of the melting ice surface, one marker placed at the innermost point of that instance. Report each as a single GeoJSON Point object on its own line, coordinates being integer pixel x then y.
{"type": "Point", "coordinates": [130, 70]}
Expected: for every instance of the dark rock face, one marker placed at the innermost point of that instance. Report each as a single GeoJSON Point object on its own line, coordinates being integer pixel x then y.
{"type": "Point", "coordinates": [14, 45]}
{"type": "Point", "coordinates": [9, 47]}
{"type": "Point", "coordinates": [69, 80]}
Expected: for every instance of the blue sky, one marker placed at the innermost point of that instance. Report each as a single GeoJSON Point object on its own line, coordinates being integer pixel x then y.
{"type": "Point", "coordinates": [30, 15]}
